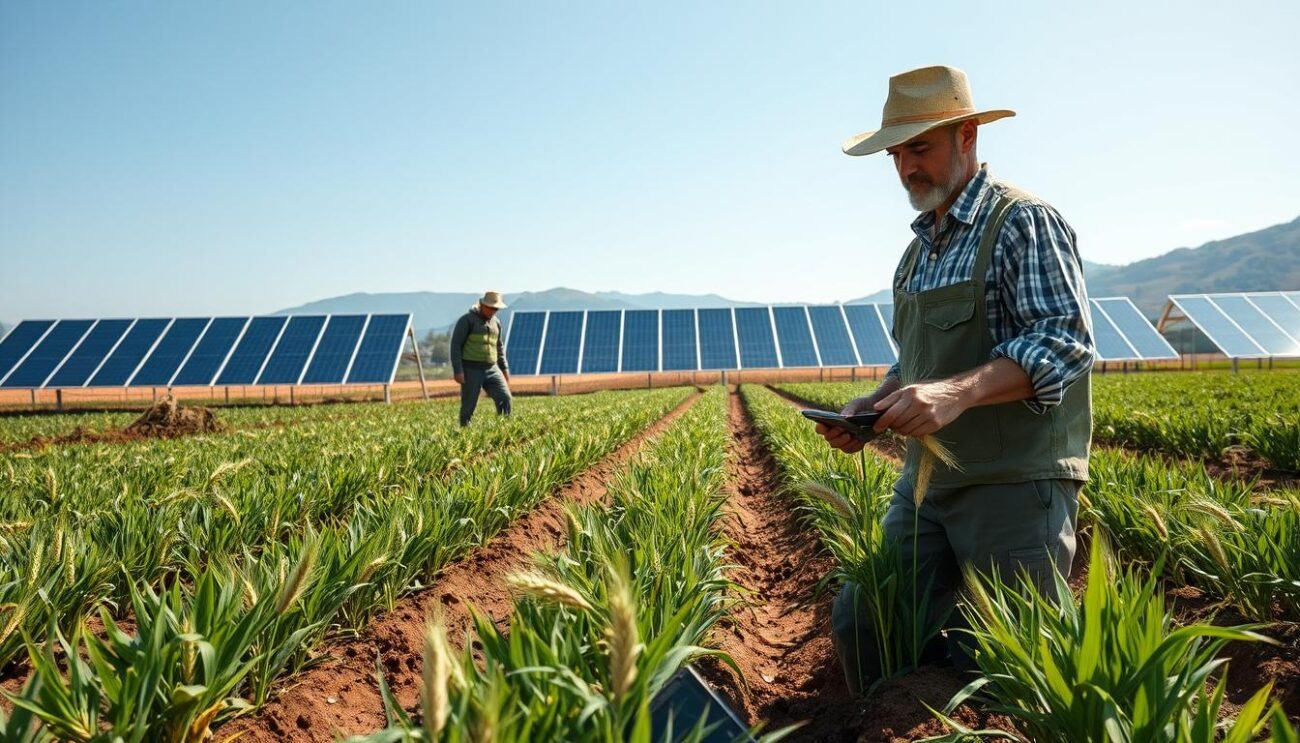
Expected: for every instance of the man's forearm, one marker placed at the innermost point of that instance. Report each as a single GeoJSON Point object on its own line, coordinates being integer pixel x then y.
{"type": "Point", "coordinates": [998, 381]}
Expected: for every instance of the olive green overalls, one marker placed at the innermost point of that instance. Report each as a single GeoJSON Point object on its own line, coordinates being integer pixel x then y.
{"type": "Point", "coordinates": [1014, 501]}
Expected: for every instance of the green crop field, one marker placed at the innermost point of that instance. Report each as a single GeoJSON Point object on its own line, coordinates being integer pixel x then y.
{"type": "Point", "coordinates": [376, 573]}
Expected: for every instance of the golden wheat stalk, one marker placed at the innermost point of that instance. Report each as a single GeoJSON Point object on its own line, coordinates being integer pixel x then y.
{"type": "Point", "coordinates": [542, 588]}
{"type": "Point", "coordinates": [828, 496]}
{"type": "Point", "coordinates": [624, 644]}
{"type": "Point", "coordinates": [1157, 520]}
{"type": "Point", "coordinates": [1216, 549]}
{"type": "Point", "coordinates": [436, 671]}
{"type": "Point", "coordinates": [297, 581]}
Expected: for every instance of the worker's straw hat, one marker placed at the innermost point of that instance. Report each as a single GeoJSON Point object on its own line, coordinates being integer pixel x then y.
{"type": "Point", "coordinates": [920, 100]}
{"type": "Point", "coordinates": [492, 299]}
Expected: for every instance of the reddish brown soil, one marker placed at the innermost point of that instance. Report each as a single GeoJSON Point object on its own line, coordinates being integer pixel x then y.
{"type": "Point", "coordinates": [341, 696]}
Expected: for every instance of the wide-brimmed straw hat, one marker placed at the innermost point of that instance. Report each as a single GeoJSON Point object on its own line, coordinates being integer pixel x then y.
{"type": "Point", "coordinates": [492, 299]}
{"type": "Point", "coordinates": [920, 100]}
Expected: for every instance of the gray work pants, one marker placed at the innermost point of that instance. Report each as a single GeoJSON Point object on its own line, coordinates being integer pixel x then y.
{"type": "Point", "coordinates": [479, 379]}
{"type": "Point", "coordinates": [1025, 526]}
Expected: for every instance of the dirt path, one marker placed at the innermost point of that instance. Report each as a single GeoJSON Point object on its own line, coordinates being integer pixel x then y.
{"type": "Point", "coordinates": [341, 697]}
{"type": "Point", "coordinates": [781, 640]}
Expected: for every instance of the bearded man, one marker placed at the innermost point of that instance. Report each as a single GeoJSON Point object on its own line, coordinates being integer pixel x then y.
{"type": "Point", "coordinates": [995, 352]}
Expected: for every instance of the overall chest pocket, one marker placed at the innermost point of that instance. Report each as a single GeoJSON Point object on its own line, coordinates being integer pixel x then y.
{"type": "Point", "coordinates": [952, 340]}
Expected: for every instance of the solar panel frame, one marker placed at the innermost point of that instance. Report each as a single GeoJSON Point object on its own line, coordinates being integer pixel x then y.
{"type": "Point", "coordinates": [379, 364]}
{"type": "Point", "coordinates": [210, 353]}
{"type": "Point", "coordinates": [170, 352]}
{"type": "Point", "coordinates": [1261, 328]}
{"type": "Point", "coordinates": [1136, 329]}
{"type": "Point", "coordinates": [16, 346]}
{"type": "Point", "coordinates": [871, 334]}
{"type": "Point", "coordinates": [717, 338]}
{"type": "Point", "coordinates": [1217, 326]}
{"type": "Point", "coordinates": [601, 344]}
{"type": "Point", "coordinates": [674, 350]}
{"type": "Point", "coordinates": [644, 353]}
{"type": "Point", "coordinates": [834, 341]}
{"type": "Point", "coordinates": [794, 337]}
{"type": "Point", "coordinates": [756, 338]}
{"type": "Point", "coordinates": [90, 353]}
{"type": "Point", "coordinates": [525, 359]}
{"type": "Point", "coordinates": [43, 359]}
{"type": "Point", "coordinates": [1280, 310]}
{"type": "Point", "coordinates": [1109, 341]}
{"type": "Point", "coordinates": [335, 349]}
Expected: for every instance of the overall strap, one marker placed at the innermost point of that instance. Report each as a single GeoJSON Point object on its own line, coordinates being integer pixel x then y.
{"type": "Point", "coordinates": [909, 260]}
{"type": "Point", "coordinates": [989, 239]}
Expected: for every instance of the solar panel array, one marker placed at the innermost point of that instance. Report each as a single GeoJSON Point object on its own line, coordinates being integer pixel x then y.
{"type": "Point", "coordinates": [776, 337]}
{"type": "Point", "coordinates": [204, 351]}
{"type": "Point", "coordinates": [1246, 325]}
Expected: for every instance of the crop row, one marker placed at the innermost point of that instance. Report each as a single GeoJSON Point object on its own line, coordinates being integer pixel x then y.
{"type": "Point", "coordinates": [1114, 667]}
{"type": "Point", "coordinates": [234, 570]}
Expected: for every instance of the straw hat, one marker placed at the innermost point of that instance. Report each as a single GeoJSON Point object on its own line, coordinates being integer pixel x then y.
{"type": "Point", "coordinates": [492, 299]}
{"type": "Point", "coordinates": [920, 100]}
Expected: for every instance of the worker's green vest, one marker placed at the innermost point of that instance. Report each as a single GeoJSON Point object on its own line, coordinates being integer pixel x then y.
{"type": "Point", "coordinates": [481, 341]}
{"type": "Point", "coordinates": [942, 332]}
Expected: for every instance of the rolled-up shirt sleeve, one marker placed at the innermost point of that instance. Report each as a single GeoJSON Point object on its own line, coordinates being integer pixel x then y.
{"type": "Point", "coordinates": [1043, 290]}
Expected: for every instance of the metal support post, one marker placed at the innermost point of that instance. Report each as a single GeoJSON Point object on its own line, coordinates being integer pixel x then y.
{"type": "Point", "coordinates": [58, 400]}
{"type": "Point", "coordinates": [1236, 366]}
{"type": "Point", "coordinates": [555, 384]}
{"type": "Point", "coordinates": [227, 395]}
{"type": "Point", "coordinates": [419, 365]}
{"type": "Point", "coordinates": [388, 394]}
{"type": "Point", "coordinates": [33, 397]}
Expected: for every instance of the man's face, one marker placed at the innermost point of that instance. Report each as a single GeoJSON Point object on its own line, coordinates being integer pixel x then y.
{"type": "Point", "coordinates": [487, 312]}
{"type": "Point", "coordinates": [929, 167]}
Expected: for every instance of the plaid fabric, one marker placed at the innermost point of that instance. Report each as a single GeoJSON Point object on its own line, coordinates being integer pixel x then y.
{"type": "Point", "coordinates": [1037, 303]}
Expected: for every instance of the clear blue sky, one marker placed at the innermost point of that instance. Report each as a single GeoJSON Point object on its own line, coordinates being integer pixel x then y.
{"type": "Point", "coordinates": [223, 157]}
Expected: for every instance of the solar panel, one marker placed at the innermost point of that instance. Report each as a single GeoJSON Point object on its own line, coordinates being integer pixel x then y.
{"type": "Point", "coordinates": [338, 344]}
{"type": "Point", "coordinates": [868, 326]}
{"type": "Point", "coordinates": [640, 340]}
{"type": "Point", "coordinates": [1140, 334]}
{"type": "Point", "coordinates": [121, 364]}
{"type": "Point", "coordinates": [1110, 342]}
{"type": "Point", "coordinates": [1260, 327]}
{"type": "Point", "coordinates": [45, 357]}
{"type": "Point", "coordinates": [832, 334]}
{"type": "Point", "coordinates": [717, 339]}
{"type": "Point", "coordinates": [1280, 310]}
{"type": "Point", "coordinates": [794, 337]}
{"type": "Point", "coordinates": [89, 354]}
{"type": "Point", "coordinates": [211, 351]}
{"type": "Point", "coordinates": [380, 349]}
{"type": "Point", "coordinates": [679, 346]}
{"type": "Point", "coordinates": [562, 344]}
{"type": "Point", "coordinates": [171, 351]}
{"type": "Point", "coordinates": [756, 338]}
{"type": "Point", "coordinates": [290, 356]}
{"type": "Point", "coordinates": [600, 342]}
{"type": "Point", "coordinates": [19, 342]}
{"type": "Point", "coordinates": [1218, 327]}
{"type": "Point", "coordinates": [524, 344]}
{"type": "Point", "coordinates": [246, 361]}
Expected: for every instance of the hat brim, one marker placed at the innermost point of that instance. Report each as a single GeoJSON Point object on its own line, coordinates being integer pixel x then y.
{"type": "Point", "coordinates": [868, 143]}
{"type": "Point", "coordinates": [494, 305]}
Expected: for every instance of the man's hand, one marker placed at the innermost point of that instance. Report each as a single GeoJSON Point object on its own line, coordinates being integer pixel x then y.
{"type": "Point", "coordinates": [846, 442]}
{"type": "Point", "coordinates": [921, 409]}
{"type": "Point", "coordinates": [460, 378]}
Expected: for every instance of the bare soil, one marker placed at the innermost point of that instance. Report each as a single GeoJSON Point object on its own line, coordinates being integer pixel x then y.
{"type": "Point", "coordinates": [165, 419]}
{"type": "Point", "coordinates": [341, 696]}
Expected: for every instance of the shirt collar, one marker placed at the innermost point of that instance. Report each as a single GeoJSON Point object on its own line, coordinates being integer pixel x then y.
{"type": "Point", "coordinates": [964, 209]}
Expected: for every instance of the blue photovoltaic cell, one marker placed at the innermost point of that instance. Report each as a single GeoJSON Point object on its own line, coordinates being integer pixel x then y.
{"type": "Point", "coordinates": [832, 336]}
{"type": "Point", "coordinates": [563, 338]}
{"type": "Point", "coordinates": [337, 346]}
{"type": "Point", "coordinates": [887, 313]}
{"type": "Point", "coordinates": [211, 352]}
{"type": "Point", "coordinates": [1257, 325]}
{"type": "Point", "coordinates": [94, 347]}
{"type": "Point", "coordinates": [869, 334]}
{"type": "Point", "coordinates": [124, 359]}
{"type": "Point", "coordinates": [717, 340]}
{"type": "Point", "coordinates": [48, 354]}
{"type": "Point", "coordinates": [679, 349]}
{"type": "Point", "coordinates": [170, 353]}
{"type": "Point", "coordinates": [19, 341]}
{"type": "Point", "coordinates": [1281, 310]}
{"type": "Point", "coordinates": [1218, 327]}
{"type": "Point", "coordinates": [1141, 334]}
{"type": "Point", "coordinates": [290, 355]}
{"type": "Point", "coordinates": [246, 360]}
{"type": "Point", "coordinates": [1111, 345]}
{"type": "Point", "coordinates": [641, 340]}
{"type": "Point", "coordinates": [600, 344]}
{"type": "Point", "coordinates": [376, 360]}
{"type": "Point", "coordinates": [794, 337]}
{"type": "Point", "coordinates": [1294, 297]}
{"type": "Point", "coordinates": [524, 345]}
{"type": "Point", "coordinates": [757, 342]}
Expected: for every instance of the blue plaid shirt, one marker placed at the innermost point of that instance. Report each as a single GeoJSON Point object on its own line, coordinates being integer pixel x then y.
{"type": "Point", "coordinates": [1037, 304]}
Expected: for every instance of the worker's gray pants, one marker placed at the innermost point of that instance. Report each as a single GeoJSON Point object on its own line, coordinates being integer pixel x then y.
{"type": "Point", "coordinates": [478, 379]}
{"type": "Point", "coordinates": [1025, 526]}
